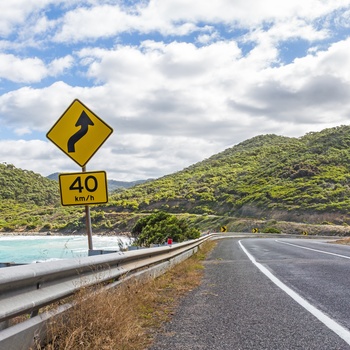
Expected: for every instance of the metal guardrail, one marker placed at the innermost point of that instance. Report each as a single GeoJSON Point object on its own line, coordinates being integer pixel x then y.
{"type": "Point", "coordinates": [28, 288]}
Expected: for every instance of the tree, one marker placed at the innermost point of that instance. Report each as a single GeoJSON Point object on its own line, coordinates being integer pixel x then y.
{"type": "Point", "coordinates": [157, 227]}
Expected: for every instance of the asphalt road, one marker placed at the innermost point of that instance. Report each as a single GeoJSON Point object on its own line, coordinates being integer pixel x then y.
{"type": "Point", "coordinates": [266, 294]}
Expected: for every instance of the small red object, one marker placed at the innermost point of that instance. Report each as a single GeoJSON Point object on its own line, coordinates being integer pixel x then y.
{"type": "Point", "coordinates": [170, 241]}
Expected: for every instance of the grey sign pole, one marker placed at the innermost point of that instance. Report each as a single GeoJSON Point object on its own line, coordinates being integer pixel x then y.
{"type": "Point", "coordinates": [88, 221]}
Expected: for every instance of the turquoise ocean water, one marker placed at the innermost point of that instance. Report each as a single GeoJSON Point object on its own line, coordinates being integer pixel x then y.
{"type": "Point", "coordinates": [29, 249]}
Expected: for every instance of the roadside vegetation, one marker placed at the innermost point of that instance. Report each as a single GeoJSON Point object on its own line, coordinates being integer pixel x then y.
{"type": "Point", "coordinates": [130, 316]}
{"type": "Point", "coordinates": [158, 227]}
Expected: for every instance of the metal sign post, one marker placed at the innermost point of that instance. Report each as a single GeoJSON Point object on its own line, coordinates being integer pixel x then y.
{"type": "Point", "coordinates": [88, 221]}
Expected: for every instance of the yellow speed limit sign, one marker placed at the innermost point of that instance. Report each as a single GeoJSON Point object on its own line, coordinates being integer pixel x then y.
{"type": "Point", "coordinates": [83, 188]}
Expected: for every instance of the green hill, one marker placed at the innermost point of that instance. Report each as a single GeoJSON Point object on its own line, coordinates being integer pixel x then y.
{"type": "Point", "coordinates": [267, 176]}
{"type": "Point", "coordinates": [254, 184]}
{"type": "Point", "coordinates": [24, 186]}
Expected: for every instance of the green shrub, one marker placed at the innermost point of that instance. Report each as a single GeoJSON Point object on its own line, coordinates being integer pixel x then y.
{"type": "Point", "coordinates": [271, 230]}
{"type": "Point", "coordinates": [9, 228]}
{"type": "Point", "coordinates": [157, 227]}
{"type": "Point", "coordinates": [47, 226]}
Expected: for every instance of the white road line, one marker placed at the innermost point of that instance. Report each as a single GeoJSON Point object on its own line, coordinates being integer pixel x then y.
{"type": "Point", "coordinates": [314, 250]}
{"type": "Point", "coordinates": [326, 320]}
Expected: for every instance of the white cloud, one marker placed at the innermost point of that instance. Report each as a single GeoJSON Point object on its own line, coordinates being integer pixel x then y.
{"type": "Point", "coordinates": [95, 22]}
{"type": "Point", "coordinates": [171, 17]}
{"type": "Point", "coordinates": [59, 65]}
{"type": "Point", "coordinates": [334, 62]}
{"type": "Point", "coordinates": [31, 70]}
{"type": "Point", "coordinates": [15, 12]}
{"type": "Point", "coordinates": [40, 26]}
{"type": "Point", "coordinates": [27, 154]}
{"type": "Point", "coordinates": [36, 108]}
{"type": "Point", "coordinates": [22, 131]}
{"type": "Point", "coordinates": [343, 19]}
{"type": "Point", "coordinates": [208, 38]}
{"type": "Point", "coordinates": [21, 70]}
{"type": "Point", "coordinates": [246, 12]}
{"type": "Point", "coordinates": [288, 29]}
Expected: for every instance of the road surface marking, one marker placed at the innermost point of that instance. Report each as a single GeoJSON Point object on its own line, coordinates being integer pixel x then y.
{"type": "Point", "coordinates": [326, 320]}
{"type": "Point", "coordinates": [314, 250]}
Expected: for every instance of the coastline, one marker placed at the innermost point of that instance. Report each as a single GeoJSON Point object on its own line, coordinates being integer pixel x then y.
{"type": "Point", "coordinates": [29, 233]}
{"type": "Point", "coordinates": [56, 233]}
{"type": "Point", "coordinates": [19, 248]}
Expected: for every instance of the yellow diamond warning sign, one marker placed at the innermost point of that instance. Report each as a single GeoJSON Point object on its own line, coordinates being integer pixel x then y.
{"type": "Point", "coordinates": [79, 132]}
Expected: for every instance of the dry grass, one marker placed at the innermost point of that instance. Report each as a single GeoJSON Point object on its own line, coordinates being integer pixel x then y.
{"type": "Point", "coordinates": [127, 318]}
{"type": "Point", "coordinates": [345, 241]}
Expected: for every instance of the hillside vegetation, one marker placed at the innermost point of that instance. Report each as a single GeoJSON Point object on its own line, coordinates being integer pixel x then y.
{"type": "Point", "coordinates": [263, 179]}
{"type": "Point", "coordinates": [24, 186]}
{"type": "Point", "coordinates": [29, 201]}
{"type": "Point", "coordinates": [266, 176]}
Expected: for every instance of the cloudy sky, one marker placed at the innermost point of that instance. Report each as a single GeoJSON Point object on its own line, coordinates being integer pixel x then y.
{"type": "Point", "coordinates": [177, 80]}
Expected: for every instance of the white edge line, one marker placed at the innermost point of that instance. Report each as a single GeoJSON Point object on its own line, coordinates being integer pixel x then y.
{"type": "Point", "coordinates": [326, 320]}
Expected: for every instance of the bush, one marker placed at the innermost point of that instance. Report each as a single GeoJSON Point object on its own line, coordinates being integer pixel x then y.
{"type": "Point", "coordinates": [47, 226]}
{"type": "Point", "coordinates": [9, 228]}
{"type": "Point", "coordinates": [271, 230]}
{"type": "Point", "coordinates": [157, 227]}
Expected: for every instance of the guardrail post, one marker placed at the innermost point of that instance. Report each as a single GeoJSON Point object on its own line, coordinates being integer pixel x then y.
{"type": "Point", "coordinates": [4, 325]}
{"type": "Point", "coordinates": [34, 313]}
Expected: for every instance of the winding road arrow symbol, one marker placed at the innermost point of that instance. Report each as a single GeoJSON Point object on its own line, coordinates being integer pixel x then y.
{"type": "Point", "coordinates": [84, 121]}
